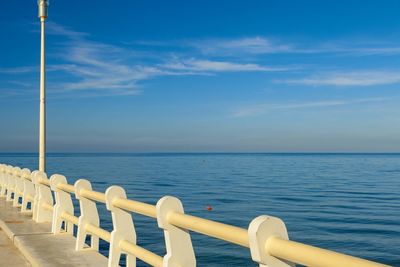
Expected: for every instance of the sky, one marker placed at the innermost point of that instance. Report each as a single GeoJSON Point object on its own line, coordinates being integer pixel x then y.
{"type": "Point", "coordinates": [203, 76]}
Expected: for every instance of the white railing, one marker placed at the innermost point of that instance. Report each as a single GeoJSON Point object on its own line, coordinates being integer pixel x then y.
{"type": "Point", "coordinates": [266, 236]}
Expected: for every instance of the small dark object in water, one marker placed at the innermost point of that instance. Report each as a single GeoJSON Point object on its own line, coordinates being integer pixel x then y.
{"type": "Point", "coordinates": [209, 207]}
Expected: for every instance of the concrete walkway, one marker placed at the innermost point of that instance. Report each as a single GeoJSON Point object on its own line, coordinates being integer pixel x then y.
{"type": "Point", "coordinates": [38, 245]}
{"type": "Point", "coordinates": [9, 254]}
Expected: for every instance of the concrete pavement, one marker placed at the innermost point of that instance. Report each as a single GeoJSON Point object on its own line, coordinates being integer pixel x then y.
{"type": "Point", "coordinates": [9, 254]}
{"type": "Point", "coordinates": [38, 245]}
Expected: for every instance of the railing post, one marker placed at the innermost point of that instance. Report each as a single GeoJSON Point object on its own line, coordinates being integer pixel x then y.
{"type": "Point", "coordinates": [89, 214]}
{"type": "Point", "coordinates": [43, 196]}
{"type": "Point", "coordinates": [19, 186]}
{"type": "Point", "coordinates": [260, 229]}
{"type": "Point", "coordinates": [63, 204]}
{"type": "Point", "coordinates": [3, 181]}
{"type": "Point", "coordinates": [177, 241]}
{"type": "Point", "coordinates": [10, 183]}
{"type": "Point", "coordinates": [123, 228]}
{"type": "Point", "coordinates": [28, 191]}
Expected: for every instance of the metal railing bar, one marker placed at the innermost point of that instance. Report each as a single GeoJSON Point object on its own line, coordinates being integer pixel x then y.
{"type": "Point", "coordinates": [100, 232]}
{"type": "Point", "coordinates": [229, 233]}
{"type": "Point", "coordinates": [47, 206]}
{"type": "Point", "coordinates": [69, 217]}
{"type": "Point", "coordinates": [312, 256]}
{"type": "Point", "coordinates": [136, 206]}
{"type": "Point", "coordinates": [66, 188]}
{"type": "Point", "coordinates": [93, 195]}
{"type": "Point", "coordinates": [44, 181]}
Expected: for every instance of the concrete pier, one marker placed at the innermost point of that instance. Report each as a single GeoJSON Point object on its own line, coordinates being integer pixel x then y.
{"type": "Point", "coordinates": [9, 254]}
{"type": "Point", "coordinates": [27, 243]}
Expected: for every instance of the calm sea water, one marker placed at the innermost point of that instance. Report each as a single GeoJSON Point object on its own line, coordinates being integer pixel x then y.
{"type": "Point", "coordinates": [344, 202]}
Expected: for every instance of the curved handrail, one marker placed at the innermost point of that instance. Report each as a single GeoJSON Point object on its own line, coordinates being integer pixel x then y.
{"type": "Point", "coordinates": [274, 245]}
{"type": "Point", "coordinates": [312, 256]}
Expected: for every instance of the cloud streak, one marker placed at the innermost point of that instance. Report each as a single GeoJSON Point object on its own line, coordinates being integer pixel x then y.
{"type": "Point", "coordinates": [91, 66]}
{"type": "Point", "coordinates": [95, 66]}
{"type": "Point", "coordinates": [250, 45]}
{"type": "Point", "coordinates": [53, 28]}
{"type": "Point", "coordinates": [358, 78]}
{"type": "Point", "coordinates": [261, 45]}
{"type": "Point", "coordinates": [259, 109]}
{"type": "Point", "coordinates": [98, 66]}
{"type": "Point", "coordinates": [218, 66]}
{"type": "Point", "coordinates": [19, 70]}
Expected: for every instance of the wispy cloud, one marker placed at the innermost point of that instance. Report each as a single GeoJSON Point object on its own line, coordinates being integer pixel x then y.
{"type": "Point", "coordinates": [357, 78]}
{"type": "Point", "coordinates": [259, 109]}
{"type": "Point", "coordinates": [53, 28]}
{"type": "Point", "coordinates": [258, 45]}
{"type": "Point", "coordinates": [349, 48]}
{"type": "Point", "coordinates": [19, 70]}
{"type": "Point", "coordinates": [217, 66]}
{"type": "Point", "coordinates": [88, 65]}
{"type": "Point", "coordinates": [252, 45]}
{"type": "Point", "coordinates": [100, 66]}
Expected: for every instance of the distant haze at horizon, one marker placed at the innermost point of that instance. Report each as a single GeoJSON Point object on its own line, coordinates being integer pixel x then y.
{"type": "Point", "coordinates": [204, 77]}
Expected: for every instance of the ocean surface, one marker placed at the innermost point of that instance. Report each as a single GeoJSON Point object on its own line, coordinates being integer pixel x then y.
{"type": "Point", "coordinates": [344, 202]}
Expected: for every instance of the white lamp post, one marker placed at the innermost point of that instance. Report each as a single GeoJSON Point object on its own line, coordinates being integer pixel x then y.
{"type": "Point", "coordinates": [43, 12]}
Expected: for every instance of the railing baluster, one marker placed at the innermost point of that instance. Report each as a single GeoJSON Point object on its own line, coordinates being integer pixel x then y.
{"type": "Point", "coordinates": [43, 197]}
{"type": "Point", "coordinates": [3, 182]}
{"type": "Point", "coordinates": [123, 228]}
{"type": "Point", "coordinates": [28, 190]}
{"type": "Point", "coordinates": [18, 186]}
{"type": "Point", "coordinates": [89, 215]}
{"type": "Point", "coordinates": [63, 204]}
{"type": "Point", "coordinates": [10, 183]}
{"type": "Point", "coordinates": [177, 240]}
{"type": "Point", "coordinates": [35, 206]}
{"type": "Point", "coordinates": [260, 229]}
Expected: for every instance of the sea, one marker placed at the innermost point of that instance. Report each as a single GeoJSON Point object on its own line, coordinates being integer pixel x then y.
{"type": "Point", "coordinates": [348, 203]}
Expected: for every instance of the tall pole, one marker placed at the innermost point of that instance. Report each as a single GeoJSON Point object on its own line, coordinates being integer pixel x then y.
{"type": "Point", "coordinates": [43, 12]}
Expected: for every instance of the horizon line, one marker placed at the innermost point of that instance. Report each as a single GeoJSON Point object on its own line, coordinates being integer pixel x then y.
{"type": "Point", "coordinates": [213, 152]}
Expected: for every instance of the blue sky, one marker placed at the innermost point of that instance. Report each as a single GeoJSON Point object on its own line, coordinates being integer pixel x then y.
{"type": "Point", "coordinates": [196, 76]}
